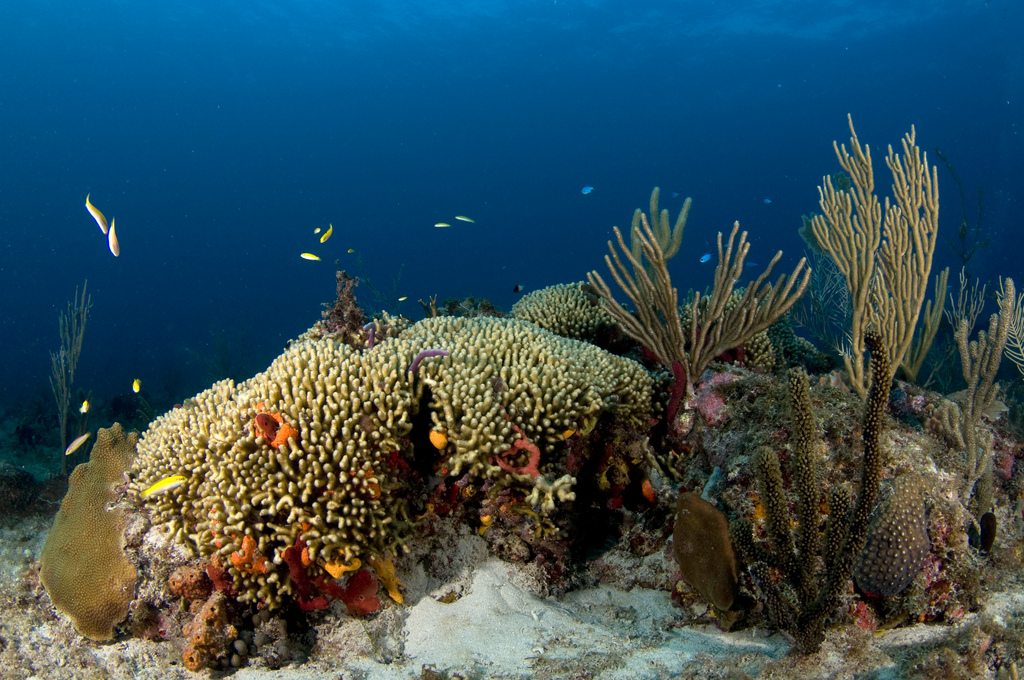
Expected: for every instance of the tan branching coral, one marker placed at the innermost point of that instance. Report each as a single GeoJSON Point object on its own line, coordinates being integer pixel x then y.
{"type": "Point", "coordinates": [885, 255]}
{"type": "Point", "coordinates": [713, 329]}
{"type": "Point", "coordinates": [333, 492]}
{"type": "Point", "coordinates": [566, 309]}
{"type": "Point", "coordinates": [83, 564]}
{"type": "Point", "coordinates": [505, 374]}
{"type": "Point", "coordinates": [325, 486]}
{"type": "Point", "coordinates": [980, 361]}
{"type": "Point", "coordinates": [669, 238]}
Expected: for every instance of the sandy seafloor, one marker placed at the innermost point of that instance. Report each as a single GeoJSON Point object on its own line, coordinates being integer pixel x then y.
{"type": "Point", "coordinates": [624, 616]}
{"type": "Point", "coordinates": [498, 629]}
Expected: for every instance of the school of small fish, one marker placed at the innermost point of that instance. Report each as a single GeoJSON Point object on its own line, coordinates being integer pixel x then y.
{"type": "Point", "coordinates": [109, 231]}
{"type": "Point", "coordinates": [326, 235]}
{"type": "Point", "coordinates": [460, 218]}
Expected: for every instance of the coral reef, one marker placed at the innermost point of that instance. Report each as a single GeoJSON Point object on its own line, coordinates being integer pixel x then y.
{"type": "Point", "coordinates": [338, 489]}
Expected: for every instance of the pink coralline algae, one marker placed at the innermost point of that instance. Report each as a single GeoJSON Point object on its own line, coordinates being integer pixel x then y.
{"type": "Point", "coordinates": [708, 400]}
{"type": "Point", "coordinates": [1003, 464]}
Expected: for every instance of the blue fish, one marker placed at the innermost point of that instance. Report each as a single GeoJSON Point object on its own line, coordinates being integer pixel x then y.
{"type": "Point", "coordinates": [705, 257]}
{"type": "Point", "coordinates": [767, 201]}
{"type": "Point", "coordinates": [586, 190]}
{"type": "Point", "coordinates": [674, 194]}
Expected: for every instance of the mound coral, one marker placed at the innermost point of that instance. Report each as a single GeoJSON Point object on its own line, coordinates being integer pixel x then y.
{"type": "Point", "coordinates": [83, 564]}
{"type": "Point", "coordinates": [566, 309]}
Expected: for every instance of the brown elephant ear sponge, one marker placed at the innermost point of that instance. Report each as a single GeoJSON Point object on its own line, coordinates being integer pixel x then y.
{"type": "Point", "coordinates": [83, 565]}
{"type": "Point", "coordinates": [704, 551]}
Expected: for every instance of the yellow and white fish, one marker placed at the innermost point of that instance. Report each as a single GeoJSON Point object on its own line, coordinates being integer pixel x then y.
{"type": "Point", "coordinates": [164, 485]}
{"type": "Point", "coordinates": [442, 224]}
{"type": "Point", "coordinates": [84, 408]}
{"type": "Point", "coordinates": [96, 215]}
{"type": "Point", "coordinates": [136, 385]}
{"type": "Point", "coordinates": [351, 250]}
{"type": "Point", "coordinates": [309, 256]}
{"type": "Point", "coordinates": [463, 218]}
{"type": "Point", "coordinates": [327, 234]}
{"type": "Point", "coordinates": [115, 248]}
{"type": "Point", "coordinates": [404, 297]}
{"type": "Point", "coordinates": [317, 230]}
{"type": "Point", "coordinates": [75, 445]}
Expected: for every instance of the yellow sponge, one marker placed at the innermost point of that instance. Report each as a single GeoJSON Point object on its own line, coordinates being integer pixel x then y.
{"type": "Point", "coordinates": [83, 564]}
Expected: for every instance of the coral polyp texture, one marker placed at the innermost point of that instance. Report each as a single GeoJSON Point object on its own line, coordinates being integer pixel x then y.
{"type": "Point", "coordinates": [83, 564]}
{"type": "Point", "coordinates": [566, 309]}
{"type": "Point", "coordinates": [331, 485]}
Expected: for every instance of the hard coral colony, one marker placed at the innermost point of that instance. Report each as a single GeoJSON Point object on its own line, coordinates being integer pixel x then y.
{"type": "Point", "coordinates": [287, 512]}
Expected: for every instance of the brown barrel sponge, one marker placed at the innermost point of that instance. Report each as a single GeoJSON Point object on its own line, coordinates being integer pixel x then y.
{"type": "Point", "coordinates": [705, 553]}
{"type": "Point", "coordinates": [83, 565]}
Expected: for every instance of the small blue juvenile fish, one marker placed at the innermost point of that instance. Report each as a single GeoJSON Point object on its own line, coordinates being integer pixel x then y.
{"type": "Point", "coordinates": [586, 190]}
{"type": "Point", "coordinates": [705, 257]}
{"type": "Point", "coordinates": [767, 201]}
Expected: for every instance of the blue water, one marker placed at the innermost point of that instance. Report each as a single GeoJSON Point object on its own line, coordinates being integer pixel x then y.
{"type": "Point", "coordinates": [220, 134]}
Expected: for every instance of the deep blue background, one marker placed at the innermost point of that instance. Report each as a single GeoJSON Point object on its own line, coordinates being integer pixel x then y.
{"type": "Point", "coordinates": [219, 134]}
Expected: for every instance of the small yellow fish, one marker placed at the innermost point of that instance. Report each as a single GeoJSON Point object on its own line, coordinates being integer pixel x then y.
{"type": "Point", "coordinates": [115, 248]}
{"type": "Point", "coordinates": [309, 256]}
{"type": "Point", "coordinates": [136, 385]}
{"type": "Point", "coordinates": [164, 485]}
{"type": "Point", "coordinates": [317, 230]}
{"type": "Point", "coordinates": [465, 219]}
{"type": "Point", "coordinates": [74, 446]}
{"type": "Point", "coordinates": [84, 408]}
{"type": "Point", "coordinates": [404, 297]}
{"type": "Point", "coordinates": [442, 224]}
{"type": "Point", "coordinates": [96, 215]}
{"type": "Point", "coordinates": [327, 234]}
{"type": "Point", "coordinates": [568, 433]}
{"type": "Point", "coordinates": [351, 250]}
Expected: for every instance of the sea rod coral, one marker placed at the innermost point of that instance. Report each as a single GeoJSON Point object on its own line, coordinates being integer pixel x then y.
{"type": "Point", "coordinates": [656, 323]}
